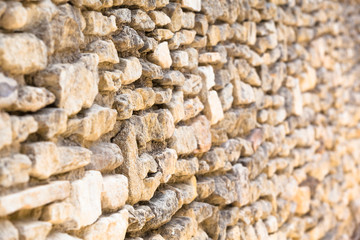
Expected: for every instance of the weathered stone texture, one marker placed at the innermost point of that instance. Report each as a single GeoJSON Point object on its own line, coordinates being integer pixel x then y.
{"type": "Point", "coordinates": [181, 119]}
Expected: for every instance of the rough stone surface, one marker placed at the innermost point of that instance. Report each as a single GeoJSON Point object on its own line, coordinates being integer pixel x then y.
{"type": "Point", "coordinates": [181, 119]}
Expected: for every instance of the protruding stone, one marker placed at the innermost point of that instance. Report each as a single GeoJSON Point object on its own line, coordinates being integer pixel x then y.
{"type": "Point", "coordinates": [161, 55]}
{"type": "Point", "coordinates": [8, 91]}
{"type": "Point", "coordinates": [5, 129]}
{"type": "Point", "coordinates": [51, 122]}
{"type": "Point", "coordinates": [14, 170]}
{"type": "Point", "coordinates": [183, 140]}
{"type": "Point", "coordinates": [115, 192]}
{"type": "Point", "coordinates": [141, 21]}
{"type": "Point", "coordinates": [176, 106]}
{"type": "Point", "coordinates": [32, 51]}
{"type": "Point", "coordinates": [105, 157]}
{"type": "Point", "coordinates": [127, 40]}
{"type": "Point", "coordinates": [174, 11]}
{"type": "Point", "coordinates": [98, 24]}
{"type": "Point", "coordinates": [105, 50]}
{"type": "Point", "coordinates": [213, 109]}
{"type": "Point", "coordinates": [160, 18]}
{"type": "Point", "coordinates": [33, 230]}
{"type": "Point", "coordinates": [8, 230]}
{"type": "Point", "coordinates": [22, 126]}
{"type": "Point", "coordinates": [74, 85]}
{"type": "Point", "coordinates": [34, 197]}
{"type": "Point", "coordinates": [208, 76]}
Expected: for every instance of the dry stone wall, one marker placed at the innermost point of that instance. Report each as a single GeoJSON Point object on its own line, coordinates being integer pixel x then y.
{"type": "Point", "coordinates": [180, 119]}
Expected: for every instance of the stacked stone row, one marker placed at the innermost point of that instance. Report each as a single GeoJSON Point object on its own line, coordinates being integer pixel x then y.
{"type": "Point", "coordinates": [184, 119]}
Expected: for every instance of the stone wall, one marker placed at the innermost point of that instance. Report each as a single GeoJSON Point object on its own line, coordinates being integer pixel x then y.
{"type": "Point", "coordinates": [188, 119]}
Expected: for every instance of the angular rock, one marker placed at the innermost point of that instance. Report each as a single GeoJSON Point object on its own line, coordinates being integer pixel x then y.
{"type": "Point", "coordinates": [180, 59]}
{"type": "Point", "coordinates": [176, 106]}
{"type": "Point", "coordinates": [14, 170]}
{"type": "Point", "coordinates": [161, 56]}
{"type": "Point", "coordinates": [98, 24]}
{"type": "Point", "coordinates": [212, 108]}
{"type": "Point", "coordinates": [61, 236]}
{"type": "Point", "coordinates": [183, 140]}
{"type": "Point", "coordinates": [160, 18]}
{"type": "Point", "coordinates": [32, 51]}
{"type": "Point", "coordinates": [32, 230]}
{"type": "Point", "coordinates": [105, 50]}
{"type": "Point", "coordinates": [74, 85]}
{"type": "Point", "coordinates": [34, 197]}
{"type": "Point", "coordinates": [105, 157]}
{"type": "Point", "coordinates": [226, 97]}
{"type": "Point", "coordinates": [127, 40]}
{"type": "Point", "coordinates": [192, 107]}
{"type": "Point", "coordinates": [150, 70]}
{"type": "Point", "coordinates": [131, 68]}
{"type": "Point", "coordinates": [8, 230]}
{"type": "Point", "coordinates": [192, 85]}
{"type": "Point", "coordinates": [110, 227]}
{"type": "Point", "coordinates": [21, 127]}
{"type": "Point", "coordinates": [243, 93]}
{"type": "Point", "coordinates": [85, 197]}
{"type": "Point", "coordinates": [201, 24]}
{"type": "Point", "coordinates": [44, 157]}
{"type": "Point", "coordinates": [141, 21]}
{"type": "Point", "coordinates": [166, 162]}
{"type": "Point", "coordinates": [72, 157]}
{"type": "Point", "coordinates": [51, 122]}
{"type": "Point", "coordinates": [122, 15]}
{"type": "Point", "coordinates": [208, 76]}
{"type": "Point", "coordinates": [91, 124]}
{"type": "Point", "coordinates": [115, 192]}
{"type": "Point", "coordinates": [174, 11]}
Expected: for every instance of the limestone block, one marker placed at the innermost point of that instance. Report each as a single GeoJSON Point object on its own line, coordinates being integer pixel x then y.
{"type": "Point", "coordinates": [209, 58]}
{"type": "Point", "coordinates": [192, 107]}
{"type": "Point", "coordinates": [5, 129]}
{"type": "Point", "coordinates": [192, 85]}
{"type": "Point", "coordinates": [163, 95]}
{"type": "Point", "coordinates": [212, 108]}
{"type": "Point", "coordinates": [105, 157]}
{"type": "Point", "coordinates": [201, 126]}
{"type": "Point", "coordinates": [172, 77]}
{"type": "Point", "coordinates": [110, 227]}
{"type": "Point", "coordinates": [213, 35]}
{"type": "Point", "coordinates": [72, 157]}
{"type": "Point", "coordinates": [161, 34]}
{"type": "Point", "coordinates": [33, 230]}
{"type": "Point", "coordinates": [307, 79]}
{"type": "Point", "coordinates": [74, 85]}
{"type": "Point", "coordinates": [261, 231]}
{"type": "Point", "coordinates": [44, 157]}
{"type": "Point", "coordinates": [226, 97]}
{"type": "Point", "coordinates": [150, 70]}
{"type": "Point", "coordinates": [141, 21]}
{"type": "Point", "coordinates": [8, 91]}
{"type": "Point", "coordinates": [122, 15]}
{"type": "Point", "coordinates": [21, 127]}
{"type": "Point", "coordinates": [243, 93]}
{"type": "Point", "coordinates": [15, 16]}
{"type": "Point", "coordinates": [201, 24]}
{"type": "Point", "coordinates": [176, 106]}
{"type": "Point", "coordinates": [186, 167]}
{"type": "Point", "coordinates": [115, 192]}
{"type": "Point", "coordinates": [131, 69]}
{"type": "Point", "coordinates": [105, 50]}
{"type": "Point", "coordinates": [91, 124]}
{"type": "Point", "coordinates": [302, 200]}
{"type": "Point", "coordinates": [58, 212]}
{"type": "Point", "coordinates": [32, 50]}
{"type": "Point", "coordinates": [183, 140]}
{"type": "Point", "coordinates": [110, 80]}
{"type": "Point", "coordinates": [180, 59]}
{"type": "Point", "coordinates": [85, 197]}
{"type": "Point", "coordinates": [174, 11]}
{"type": "Point", "coordinates": [182, 37]}
{"type": "Point", "coordinates": [51, 122]}
{"type": "Point", "coordinates": [271, 224]}
{"type": "Point", "coordinates": [31, 99]}
{"type": "Point", "coordinates": [98, 24]}
{"type": "Point", "coordinates": [34, 197]}
{"type": "Point", "coordinates": [179, 228]}
{"type": "Point", "coordinates": [188, 20]}
{"type": "Point", "coordinates": [161, 56]}
{"type": "Point", "coordinates": [212, 9]}
{"type": "Point", "coordinates": [208, 76]}
{"type": "Point", "coordinates": [14, 170]}
{"type": "Point", "coordinates": [8, 230]}
{"type": "Point", "coordinates": [127, 40]}
{"type": "Point", "coordinates": [160, 18]}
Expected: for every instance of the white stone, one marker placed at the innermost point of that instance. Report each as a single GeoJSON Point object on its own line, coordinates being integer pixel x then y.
{"type": "Point", "coordinates": [176, 106]}
{"type": "Point", "coordinates": [75, 85]}
{"type": "Point", "coordinates": [86, 198]}
{"type": "Point", "coordinates": [243, 93]}
{"type": "Point", "coordinates": [34, 197]}
{"type": "Point", "coordinates": [131, 68]}
{"type": "Point", "coordinates": [160, 18]}
{"type": "Point", "coordinates": [14, 170]}
{"type": "Point", "coordinates": [115, 192]}
{"type": "Point", "coordinates": [193, 5]}
{"type": "Point", "coordinates": [213, 109]}
{"type": "Point", "coordinates": [208, 76]}
{"type": "Point", "coordinates": [8, 91]}
{"type": "Point", "coordinates": [180, 59]}
{"type": "Point", "coordinates": [161, 56]}
{"type": "Point", "coordinates": [61, 236]}
{"type": "Point", "coordinates": [33, 230]}
{"type": "Point", "coordinates": [105, 50]}
{"type": "Point", "coordinates": [112, 227]}
{"type": "Point", "coordinates": [8, 230]}
{"type": "Point", "coordinates": [5, 129]}
{"type": "Point", "coordinates": [72, 157]}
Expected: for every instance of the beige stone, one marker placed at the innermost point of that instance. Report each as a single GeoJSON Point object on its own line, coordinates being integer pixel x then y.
{"type": "Point", "coordinates": [14, 170]}
{"type": "Point", "coordinates": [176, 106]}
{"type": "Point", "coordinates": [51, 122]}
{"type": "Point", "coordinates": [94, 122]}
{"type": "Point", "coordinates": [5, 129]}
{"type": "Point", "coordinates": [22, 127]}
{"type": "Point", "coordinates": [161, 55]}
{"type": "Point", "coordinates": [209, 58]}
{"type": "Point", "coordinates": [8, 91]}
{"type": "Point", "coordinates": [105, 50]}
{"type": "Point", "coordinates": [160, 18]}
{"type": "Point", "coordinates": [85, 198]}
{"type": "Point", "coordinates": [61, 236]}
{"type": "Point", "coordinates": [34, 59]}
{"type": "Point", "coordinates": [212, 108]}
{"type": "Point", "coordinates": [105, 157]}
{"type": "Point", "coordinates": [180, 59]}
{"type": "Point", "coordinates": [110, 227]}
{"type": "Point", "coordinates": [98, 24]}
{"type": "Point", "coordinates": [131, 69]}
{"type": "Point", "coordinates": [174, 11]}
{"type": "Point", "coordinates": [115, 192]}
{"type": "Point", "coordinates": [8, 230]}
{"type": "Point", "coordinates": [34, 197]}
{"type": "Point", "coordinates": [192, 107]}
{"type": "Point", "coordinates": [243, 93]}
{"type": "Point", "coordinates": [72, 157]}
{"type": "Point", "coordinates": [141, 21]}
{"type": "Point", "coordinates": [183, 140]}
{"type": "Point", "coordinates": [44, 157]}
{"type": "Point", "coordinates": [74, 85]}
{"type": "Point", "coordinates": [33, 230]}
